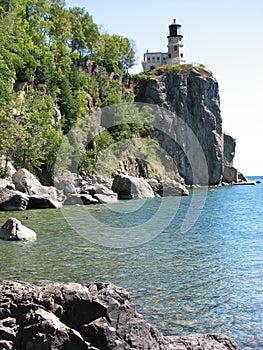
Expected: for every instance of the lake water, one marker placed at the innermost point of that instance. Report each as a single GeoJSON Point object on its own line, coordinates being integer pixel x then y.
{"type": "Point", "coordinates": [200, 275]}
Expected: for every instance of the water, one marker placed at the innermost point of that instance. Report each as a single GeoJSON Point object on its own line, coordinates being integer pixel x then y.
{"type": "Point", "coordinates": [208, 279]}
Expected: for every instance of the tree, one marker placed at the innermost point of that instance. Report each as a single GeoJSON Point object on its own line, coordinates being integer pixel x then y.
{"type": "Point", "coordinates": [85, 33]}
{"type": "Point", "coordinates": [115, 53]}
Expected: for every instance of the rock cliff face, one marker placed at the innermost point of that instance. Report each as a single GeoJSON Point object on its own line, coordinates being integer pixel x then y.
{"type": "Point", "coordinates": [193, 96]}
{"type": "Point", "coordinates": [230, 174]}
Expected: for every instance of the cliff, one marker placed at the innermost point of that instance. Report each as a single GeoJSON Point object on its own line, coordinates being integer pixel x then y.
{"type": "Point", "coordinates": [191, 95]}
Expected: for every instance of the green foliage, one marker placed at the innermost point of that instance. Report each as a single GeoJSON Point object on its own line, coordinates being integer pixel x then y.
{"type": "Point", "coordinates": [112, 93]}
{"type": "Point", "coordinates": [167, 68]}
{"type": "Point", "coordinates": [129, 122]}
{"type": "Point", "coordinates": [47, 46]}
{"type": "Point", "coordinates": [116, 53]}
{"type": "Point", "coordinates": [63, 158]}
{"type": "Point", "coordinates": [4, 173]}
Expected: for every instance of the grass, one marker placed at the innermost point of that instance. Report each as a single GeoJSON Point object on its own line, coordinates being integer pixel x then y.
{"type": "Point", "coordinates": [172, 69]}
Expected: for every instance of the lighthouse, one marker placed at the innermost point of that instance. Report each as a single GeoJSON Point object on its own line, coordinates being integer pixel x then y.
{"type": "Point", "coordinates": [175, 44]}
{"type": "Point", "coordinates": [175, 54]}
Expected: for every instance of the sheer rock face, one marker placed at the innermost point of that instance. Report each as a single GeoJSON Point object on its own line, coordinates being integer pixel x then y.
{"type": "Point", "coordinates": [71, 316]}
{"type": "Point", "coordinates": [194, 98]}
{"type": "Point", "coordinates": [230, 173]}
{"type": "Point", "coordinates": [229, 149]}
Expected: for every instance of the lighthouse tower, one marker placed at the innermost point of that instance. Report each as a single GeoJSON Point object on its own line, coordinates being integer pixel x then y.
{"type": "Point", "coordinates": [175, 44]}
{"type": "Point", "coordinates": [175, 54]}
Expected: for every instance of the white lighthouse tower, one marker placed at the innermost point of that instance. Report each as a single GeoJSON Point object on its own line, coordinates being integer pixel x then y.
{"type": "Point", "coordinates": [175, 44]}
{"type": "Point", "coordinates": [175, 54]}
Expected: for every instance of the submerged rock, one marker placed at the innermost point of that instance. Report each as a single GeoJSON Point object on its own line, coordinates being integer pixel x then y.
{"type": "Point", "coordinates": [13, 230]}
{"type": "Point", "coordinates": [71, 316]}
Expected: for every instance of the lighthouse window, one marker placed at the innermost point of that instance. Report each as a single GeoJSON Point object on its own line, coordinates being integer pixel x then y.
{"type": "Point", "coordinates": [175, 47]}
{"type": "Point", "coordinates": [182, 55]}
{"type": "Point", "coordinates": [149, 58]}
{"type": "Point", "coordinates": [158, 58]}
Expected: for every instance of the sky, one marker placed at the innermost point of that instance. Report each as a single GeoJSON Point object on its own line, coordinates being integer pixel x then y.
{"type": "Point", "coordinates": [226, 36]}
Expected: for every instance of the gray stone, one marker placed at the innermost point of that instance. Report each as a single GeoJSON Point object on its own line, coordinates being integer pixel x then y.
{"type": "Point", "coordinates": [214, 341]}
{"type": "Point", "coordinates": [26, 182]}
{"type": "Point", "coordinates": [101, 180]}
{"type": "Point", "coordinates": [153, 183]}
{"type": "Point", "coordinates": [13, 230]}
{"type": "Point", "coordinates": [68, 182]}
{"type": "Point", "coordinates": [230, 174]}
{"type": "Point", "coordinates": [102, 189]}
{"type": "Point", "coordinates": [40, 197]}
{"type": "Point", "coordinates": [194, 98]}
{"type": "Point", "coordinates": [80, 199]}
{"type": "Point", "coordinates": [173, 188]}
{"type": "Point", "coordinates": [130, 187]}
{"type": "Point", "coordinates": [229, 149]}
{"type": "Point", "coordinates": [106, 199]}
{"type": "Point", "coordinates": [43, 202]}
{"type": "Point", "coordinates": [12, 200]}
{"type": "Point", "coordinates": [98, 316]}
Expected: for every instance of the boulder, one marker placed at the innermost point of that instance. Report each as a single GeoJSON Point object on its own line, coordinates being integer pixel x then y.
{"type": "Point", "coordinates": [101, 180]}
{"type": "Point", "coordinates": [27, 183]}
{"type": "Point", "coordinates": [69, 182]}
{"type": "Point", "coordinates": [13, 230]}
{"type": "Point", "coordinates": [71, 316]}
{"type": "Point", "coordinates": [80, 199]}
{"type": "Point", "coordinates": [43, 202]}
{"type": "Point", "coordinates": [102, 189]}
{"type": "Point", "coordinates": [172, 188]}
{"type": "Point", "coordinates": [104, 194]}
{"type": "Point", "coordinates": [230, 174]}
{"type": "Point", "coordinates": [12, 200]}
{"type": "Point", "coordinates": [130, 187]}
{"type": "Point", "coordinates": [40, 197]}
{"type": "Point", "coordinates": [105, 198]}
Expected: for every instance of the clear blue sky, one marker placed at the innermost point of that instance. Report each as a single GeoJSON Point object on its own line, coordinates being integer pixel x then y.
{"type": "Point", "coordinates": [226, 36]}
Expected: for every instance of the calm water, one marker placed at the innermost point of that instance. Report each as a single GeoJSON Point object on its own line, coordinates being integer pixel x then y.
{"type": "Point", "coordinates": [206, 279]}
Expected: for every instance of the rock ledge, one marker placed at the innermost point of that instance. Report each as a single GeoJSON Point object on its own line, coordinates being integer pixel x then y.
{"type": "Point", "coordinates": [75, 317]}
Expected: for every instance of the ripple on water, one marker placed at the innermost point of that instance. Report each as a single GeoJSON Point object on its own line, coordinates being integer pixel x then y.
{"type": "Point", "coordinates": [208, 279]}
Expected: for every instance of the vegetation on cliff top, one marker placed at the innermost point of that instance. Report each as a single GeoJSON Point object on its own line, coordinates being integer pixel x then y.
{"type": "Point", "coordinates": [172, 69]}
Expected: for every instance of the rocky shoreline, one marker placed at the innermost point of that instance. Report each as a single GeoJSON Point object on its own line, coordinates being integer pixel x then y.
{"type": "Point", "coordinates": [24, 191]}
{"type": "Point", "coordinates": [75, 317]}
